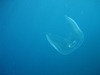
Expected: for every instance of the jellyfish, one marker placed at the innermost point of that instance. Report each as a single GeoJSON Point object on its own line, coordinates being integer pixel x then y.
{"type": "Point", "coordinates": [72, 41]}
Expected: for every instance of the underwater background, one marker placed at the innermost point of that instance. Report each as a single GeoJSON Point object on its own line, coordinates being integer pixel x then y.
{"type": "Point", "coordinates": [24, 49]}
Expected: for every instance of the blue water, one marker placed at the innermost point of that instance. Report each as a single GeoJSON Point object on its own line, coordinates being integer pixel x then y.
{"type": "Point", "coordinates": [24, 49]}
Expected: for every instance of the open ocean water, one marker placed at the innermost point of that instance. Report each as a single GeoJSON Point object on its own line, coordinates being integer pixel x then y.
{"type": "Point", "coordinates": [24, 48]}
